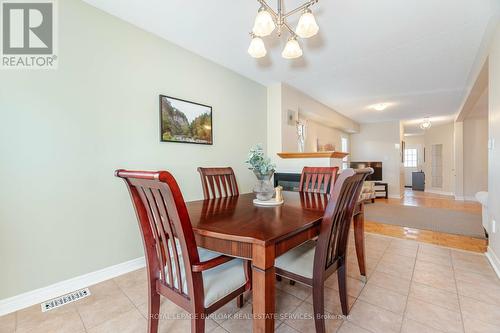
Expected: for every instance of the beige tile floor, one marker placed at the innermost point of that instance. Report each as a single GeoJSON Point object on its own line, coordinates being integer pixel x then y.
{"type": "Point", "coordinates": [412, 287]}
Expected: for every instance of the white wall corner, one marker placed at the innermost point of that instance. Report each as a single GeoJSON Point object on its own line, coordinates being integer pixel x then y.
{"type": "Point", "coordinates": [36, 296]}
{"type": "Point", "coordinates": [494, 260]}
{"type": "Point", "coordinates": [470, 198]}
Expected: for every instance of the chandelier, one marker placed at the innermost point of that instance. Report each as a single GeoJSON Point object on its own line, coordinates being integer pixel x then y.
{"type": "Point", "coordinates": [425, 124]}
{"type": "Point", "coordinates": [267, 20]}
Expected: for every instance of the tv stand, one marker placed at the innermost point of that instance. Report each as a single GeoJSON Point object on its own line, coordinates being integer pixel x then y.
{"type": "Point", "coordinates": [381, 190]}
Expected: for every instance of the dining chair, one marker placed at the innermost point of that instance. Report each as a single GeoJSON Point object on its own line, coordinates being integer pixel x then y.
{"type": "Point", "coordinates": [318, 179]}
{"type": "Point", "coordinates": [198, 280]}
{"type": "Point", "coordinates": [218, 182]}
{"type": "Point", "coordinates": [311, 263]}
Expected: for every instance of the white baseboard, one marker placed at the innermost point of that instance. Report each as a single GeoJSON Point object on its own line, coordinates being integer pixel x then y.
{"type": "Point", "coordinates": [439, 192]}
{"type": "Point", "coordinates": [394, 196]}
{"type": "Point", "coordinates": [33, 297]}
{"type": "Point", "coordinates": [494, 260]}
{"type": "Point", "coordinates": [465, 198]}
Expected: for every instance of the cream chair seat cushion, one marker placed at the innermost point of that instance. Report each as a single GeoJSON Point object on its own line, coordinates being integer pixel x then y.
{"type": "Point", "coordinates": [299, 260]}
{"type": "Point", "coordinates": [218, 282]}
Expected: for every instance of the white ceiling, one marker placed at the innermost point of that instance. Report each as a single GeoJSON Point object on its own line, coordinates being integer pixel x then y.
{"type": "Point", "coordinates": [415, 54]}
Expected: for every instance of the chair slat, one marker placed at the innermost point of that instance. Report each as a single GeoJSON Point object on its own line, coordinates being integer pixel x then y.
{"type": "Point", "coordinates": [153, 228]}
{"type": "Point", "coordinates": [318, 179]}
{"type": "Point", "coordinates": [167, 227]}
{"type": "Point", "coordinates": [222, 179]}
{"type": "Point", "coordinates": [225, 186]}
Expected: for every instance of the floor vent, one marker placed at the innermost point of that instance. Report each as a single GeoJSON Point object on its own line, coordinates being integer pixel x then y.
{"type": "Point", "coordinates": [65, 299]}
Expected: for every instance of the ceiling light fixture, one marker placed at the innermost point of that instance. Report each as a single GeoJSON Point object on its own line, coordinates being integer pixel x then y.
{"type": "Point", "coordinates": [264, 24]}
{"type": "Point", "coordinates": [380, 106]}
{"type": "Point", "coordinates": [257, 48]}
{"type": "Point", "coordinates": [307, 26]}
{"type": "Point", "coordinates": [267, 20]}
{"type": "Point", "coordinates": [426, 124]}
{"type": "Point", "coordinates": [292, 49]}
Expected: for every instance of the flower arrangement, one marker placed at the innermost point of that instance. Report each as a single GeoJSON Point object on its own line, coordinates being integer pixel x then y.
{"type": "Point", "coordinates": [258, 162]}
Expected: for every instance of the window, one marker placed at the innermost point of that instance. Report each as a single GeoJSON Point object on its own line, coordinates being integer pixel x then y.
{"type": "Point", "coordinates": [345, 149]}
{"type": "Point", "coordinates": [411, 158]}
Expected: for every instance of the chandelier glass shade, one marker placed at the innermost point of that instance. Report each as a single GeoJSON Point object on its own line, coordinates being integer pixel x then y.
{"type": "Point", "coordinates": [268, 20]}
{"type": "Point", "coordinates": [426, 124]}
{"type": "Point", "coordinates": [264, 24]}
{"type": "Point", "coordinates": [307, 26]}
{"type": "Point", "coordinates": [292, 49]}
{"type": "Point", "coordinates": [257, 48]}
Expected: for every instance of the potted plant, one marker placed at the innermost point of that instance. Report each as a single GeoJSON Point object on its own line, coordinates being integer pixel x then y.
{"type": "Point", "coordinates": [263, 170]}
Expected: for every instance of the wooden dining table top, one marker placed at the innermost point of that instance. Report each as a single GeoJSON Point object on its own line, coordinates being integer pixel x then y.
{"type": "Point", "coordinates": [238, 219]}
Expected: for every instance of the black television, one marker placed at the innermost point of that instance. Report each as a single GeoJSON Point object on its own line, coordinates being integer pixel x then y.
{"type": "Point", "coordinates": [376, 166]}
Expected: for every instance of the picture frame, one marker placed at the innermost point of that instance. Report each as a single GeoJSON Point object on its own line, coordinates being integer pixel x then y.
{"type": "Point", "coordinates": [183, 121]}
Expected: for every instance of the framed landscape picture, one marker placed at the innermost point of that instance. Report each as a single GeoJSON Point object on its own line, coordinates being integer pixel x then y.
{"type": "Point", "coordinates": [184, 121]}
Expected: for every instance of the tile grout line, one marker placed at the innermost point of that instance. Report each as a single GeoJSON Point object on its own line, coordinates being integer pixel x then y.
{"type": "Point", "coordinates": [16, 320]}
{"type": "Point", "coordinates": [458, 295]}
{"type": "Point", "coordinates": [81, 319]}
{"type": "Point", "coordinates": [130, 300]}
{"type": "Point", "coordinates": [409, 290]}
{"type": "Point", "coordinates": [365, 283]}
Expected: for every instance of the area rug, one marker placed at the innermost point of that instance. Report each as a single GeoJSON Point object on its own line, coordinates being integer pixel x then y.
{"type": "Point", "coordinates": [435, 219]}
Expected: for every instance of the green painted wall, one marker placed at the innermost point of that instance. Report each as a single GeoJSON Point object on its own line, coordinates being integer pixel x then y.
{"type": "Point", "coordinates": [63, 132]}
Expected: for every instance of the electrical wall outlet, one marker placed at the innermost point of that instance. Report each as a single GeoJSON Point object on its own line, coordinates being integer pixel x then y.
{"type": "Point", "coordinates": [493, 226]}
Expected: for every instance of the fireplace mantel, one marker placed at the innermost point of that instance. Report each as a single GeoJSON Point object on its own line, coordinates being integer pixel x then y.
{"type": "Point", "coordinates": [322, 154]}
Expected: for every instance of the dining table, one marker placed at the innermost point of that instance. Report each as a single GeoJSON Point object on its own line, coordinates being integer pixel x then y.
{"type": "Point", "coordinates": [235, 226]}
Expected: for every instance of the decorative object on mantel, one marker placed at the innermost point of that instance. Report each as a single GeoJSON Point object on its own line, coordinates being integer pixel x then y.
{"type": "Point", "coordinates": [322, 154]}
{"type": "Point", "coordinates": [291, 117]}
{"type": "Point", "coordinates": [263, 170]}
{"type": "Point", "coordinates": [325, 147]}
{"type": "Point", "coordinates": [301, 134]}
{"type": "Point", "coordinates": [267, 20]}
{"type": "Point", "coordinates": [184, 121]}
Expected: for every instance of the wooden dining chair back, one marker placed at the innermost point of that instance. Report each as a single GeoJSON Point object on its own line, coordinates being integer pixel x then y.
{"type": "Point", "coordinates": [332, 241]}
{"type": "Point", "coordinates": [318, 179]}
{"type": "Point", "coordinates": [172, 257]}
{"type": "Point", "coordinates": [218, 182]}
{"type": "Point", "coordinates": [331, 246]}
{"type": "Point", "coordinates": [312, 262]}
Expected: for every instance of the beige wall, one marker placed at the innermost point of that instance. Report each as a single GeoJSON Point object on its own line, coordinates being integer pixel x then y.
{"type": "Point", "coordinates": [494, 153]}
{"type": "Point", "coordinates": [63, 133]}
{"type": "Point", "coordinates": [442, 134]}
{"type": "Point", "coordinates": [475, 147]}
{"type": "Point", "coordinates": [380, 142]}
{"type": "Point", "coordinates": [322, 122]}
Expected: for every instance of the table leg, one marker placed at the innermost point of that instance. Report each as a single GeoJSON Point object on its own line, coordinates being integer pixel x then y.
{"type": "Point", "coordinates": [263, 288]}
{"type": "Point", "coordinates": [359, 240]}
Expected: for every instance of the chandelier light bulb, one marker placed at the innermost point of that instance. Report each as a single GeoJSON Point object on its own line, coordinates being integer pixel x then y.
{"type": "Point", "coordinates": [292, 49]}
{"type": "Point", "coordinates": [264, 23]}
{"type": "Point", "coordinates": [307, 26]}
{"type": "Point", "coordinates": [426, 124]}
{"type": "Point", "coordinates": [380, 106]}
{"type": "Point", "coordinates": [257, 49]}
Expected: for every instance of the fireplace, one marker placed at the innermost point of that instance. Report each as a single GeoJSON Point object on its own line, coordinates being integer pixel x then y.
{"type": "Point", "coordinates": [289, 181]}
